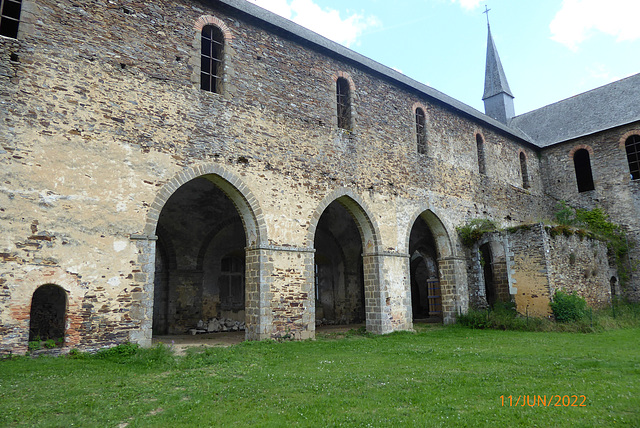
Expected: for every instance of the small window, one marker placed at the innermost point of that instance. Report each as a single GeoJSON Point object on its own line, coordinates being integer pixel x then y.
{"type": "Point", "coordinates": [211, 59]}
{"type": "Point", "coordinates": [633, 156]}
{"type": "Point", "coordinates": [480, 145]}
{"type": "Point", "coordinates": [343, 93]}
{"type": "Point", "coordinates": [10, 17]}
{"type": "Point", "coordinates": [524, 170]}
{"type": "Point", "coordinates": [421, 131]}
{"type": "Point", "coordinates": [582, 165]}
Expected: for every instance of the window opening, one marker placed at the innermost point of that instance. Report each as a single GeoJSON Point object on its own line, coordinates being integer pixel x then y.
{"type": "Point", "coordinates": [481, 163]}
{"type": "Point", "coordinates": [421, 133]}
{"type": "Point", "coordinates": [211, 59]}
{"type": "Point", "coordinates": [231, 283]}
{"type": "Point", "coordinates": [524, 170]}
{"type": "Point", "coordinates": [633, 155]}
{"type": "Point", "coordinates": [344, 103]}
{"type": "Point", "coordinates": [10, 17]}
{"type": "Point", "coordinates": [582, 166]}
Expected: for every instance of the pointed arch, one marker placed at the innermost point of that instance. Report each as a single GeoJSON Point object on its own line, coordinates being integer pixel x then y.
{"type": "Point", "coordinates": [235, 189]}
{"type": "Point", "coordinates": [439, 231]}
{"type": "Point", "coordinates": [367, 226]}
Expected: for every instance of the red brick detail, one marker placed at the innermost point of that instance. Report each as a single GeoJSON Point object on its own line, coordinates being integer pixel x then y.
{"type": "Point", "coordinates": [347, 76]}
{"type": "Point", "coordinates": [579, 147]}
{"type": "Point", "coordinates": [623, 139]}
{"type": "Point", "coordinates": [205, 20]}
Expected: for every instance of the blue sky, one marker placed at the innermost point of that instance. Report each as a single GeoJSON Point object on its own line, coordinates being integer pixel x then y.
{"type": "Point", "coordinates": [550, 49]}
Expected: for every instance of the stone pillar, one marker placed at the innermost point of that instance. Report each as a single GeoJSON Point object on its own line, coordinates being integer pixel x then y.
{"type": "Point", "coordinates": [279, 293]}
{"type": "Point", "coordinates": [142, 300]}
{"type": "Point", "coordinates": [387, 292]}
{"type": "Point", "coordinates": [455, 296]}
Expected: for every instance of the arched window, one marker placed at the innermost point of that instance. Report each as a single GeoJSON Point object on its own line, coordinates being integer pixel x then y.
{"type": "Point", "coordinates": [343, 94]}
{"type": "Point", "coordinates": [47, 317]}
{"type": "Point", "coordinates": [421, 131]}
{"type": "Point", "coordinates": [10, 17]}
{"type": "Point", "coordinates": [633, 155]}
{"type": "Point", "coordinates": [582, 165]}
{"type": "Point", "coordinates": [480, 145]}
{"type": "Point", "coordinates": [211, 59]}
{"type": "Point", "coordinates": [524, 170]}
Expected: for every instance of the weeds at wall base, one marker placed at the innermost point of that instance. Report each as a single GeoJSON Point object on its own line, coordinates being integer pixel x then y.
{"type": "Point", "coordinates": [621, 314]}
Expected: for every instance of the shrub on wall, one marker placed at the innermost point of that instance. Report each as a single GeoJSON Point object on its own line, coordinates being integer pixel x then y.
{"type": "Point", "coordinates": [473, 231]}
{"type": "Point", "coordinates": [568, 307]}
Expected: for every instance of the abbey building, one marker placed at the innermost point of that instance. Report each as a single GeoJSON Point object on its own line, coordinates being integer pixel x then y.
{"type": "Point", "coordinates": [166, 164]}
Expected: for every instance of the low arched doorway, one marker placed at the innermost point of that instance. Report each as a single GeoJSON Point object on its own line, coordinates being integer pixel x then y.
{"type": "Point", "coordinates": [48, 314]}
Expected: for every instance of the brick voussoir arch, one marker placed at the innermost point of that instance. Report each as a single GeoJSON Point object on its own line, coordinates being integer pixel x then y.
{"type": "Point", "coordinates": [580, 147]}
{"type": "Point", "coordinates": [438, 229]}
{"type": "Point", "coordinates": [359, 210]}
{"type": "Point", "coordinates": [239, 193]}
{"type": "Point", "coordinates": [205, 20]}
{"type": "Point", "coordinates": [626, 135]}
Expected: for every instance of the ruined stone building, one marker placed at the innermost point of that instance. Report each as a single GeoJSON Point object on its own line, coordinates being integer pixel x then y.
{"type": "Point", "coordinates": [166, 162]}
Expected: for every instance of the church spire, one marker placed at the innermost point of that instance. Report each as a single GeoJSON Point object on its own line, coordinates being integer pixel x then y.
{"type": "Point", "coordinates": [498, 99]}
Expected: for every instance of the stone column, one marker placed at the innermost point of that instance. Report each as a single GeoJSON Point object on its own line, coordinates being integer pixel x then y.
{"type": "Point", "coordinates": [142, 300]}
{"type": "Point", "coordinates": [455, 296]}
{"type": "Point", "coordinates": [387, 292]}
{"type": "Point", "coordinates": [279, 293]}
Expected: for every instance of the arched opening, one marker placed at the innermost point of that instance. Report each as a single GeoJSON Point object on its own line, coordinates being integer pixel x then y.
{"type": "Point", "coordinates": [493, 264]}
{"type": "Point", "coordinates": [482, 167]}
{"type": "Point", "coordinates": [47, 316]}
{"type": "Point", "coordinates": [426, 295]}
{"type": "Point", "coordinates": [524, 170]}
{"type": "Point", "coordinates": [339, 279]}
{"type": "Point", "coordinates": [582, 165]}
{"type": "Point", "coordinates": [421, 131]}
{"type": "Point", "coordinates": [200, 261]}
{"type": "Point", "coordinates": [212, 48]}
{"type": "Point", "coordinates": [343, 103]}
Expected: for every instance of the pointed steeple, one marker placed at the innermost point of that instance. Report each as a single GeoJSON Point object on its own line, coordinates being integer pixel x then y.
{"type": "Point", "coordinates": [498, 99]}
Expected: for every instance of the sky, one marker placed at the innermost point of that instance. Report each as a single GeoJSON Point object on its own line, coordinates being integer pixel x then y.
{"type": "Point", "coordinates": [550, 49]}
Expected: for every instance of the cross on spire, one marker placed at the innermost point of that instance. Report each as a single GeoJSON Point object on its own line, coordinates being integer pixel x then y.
{"type": "Point", "coordinates": [486, 10]}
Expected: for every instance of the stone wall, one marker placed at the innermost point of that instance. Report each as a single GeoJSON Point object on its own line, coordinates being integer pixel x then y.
{"type": "Point", "coordinates": [614, 192]}
{"type": "Point", "coordinates": [104, 120]}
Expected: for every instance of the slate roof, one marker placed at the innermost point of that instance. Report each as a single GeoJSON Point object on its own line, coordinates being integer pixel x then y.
{"type": "Point", "coordinates": [603, 108]}
{"type": "Point", "coordinates": [337, 49]}
{"type": "Point", "coordinates": [606, 107]}
{"type": "Point", "coordinates": [495, 81]}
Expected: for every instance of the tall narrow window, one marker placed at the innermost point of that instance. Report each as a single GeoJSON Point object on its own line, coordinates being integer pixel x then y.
{"type": "Point", "coordinates": [524, 171]}
{"type": "Point", "coordinates": [480, 145]}
{"type": "Point", "coordinates": [421, 131]}
{"type": "Point", "coordinates": [10, 17]}
{"type": "Point", "coordinates": [633, 156]}
{"type": "Point", "coordinates": [211, 59]}
{"type": "Point", "coordinates": [582, 165]}
{"type": "Point", "coordinates": [343, 103]}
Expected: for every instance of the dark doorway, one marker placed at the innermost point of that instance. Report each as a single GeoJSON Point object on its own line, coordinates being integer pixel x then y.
{"type": "Point", "coordinates": [48, 309]}
{"type": "Point", "coordinates": [426, 297]}
{"type": "Point", "coordinates": [200, 262]}
{"type": "Point", "coordinates": [339, 281]}
{"type": "Point", "coordinates": [486, 261]}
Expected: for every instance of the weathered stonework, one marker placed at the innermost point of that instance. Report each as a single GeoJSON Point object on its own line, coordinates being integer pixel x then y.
{"type": "Point", "coordinates": [125, 184]}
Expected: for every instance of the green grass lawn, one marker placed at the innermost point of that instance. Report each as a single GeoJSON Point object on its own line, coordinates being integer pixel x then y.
{"type": "Point", "coordinates": [441, 376]}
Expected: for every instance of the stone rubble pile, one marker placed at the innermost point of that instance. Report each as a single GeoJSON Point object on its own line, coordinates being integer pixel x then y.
{"type": "Point", "coordinates": [215, 325]}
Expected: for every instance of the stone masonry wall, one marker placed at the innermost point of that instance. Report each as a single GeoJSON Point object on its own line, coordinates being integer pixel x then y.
{"type": "Point", "coordinates": [614, 192]}
{"type": "Point", "coordinates": [102, 116]}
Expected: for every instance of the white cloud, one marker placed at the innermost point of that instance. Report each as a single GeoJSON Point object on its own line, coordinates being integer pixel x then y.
{"type": "Point", "coordinates": [468, 4]}
{"type": "Point", "coordinates": [577, 20]}
{"type": "Point", "coordinates": [324, 21]}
